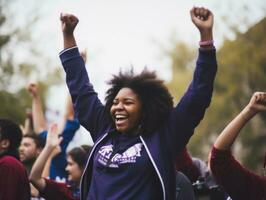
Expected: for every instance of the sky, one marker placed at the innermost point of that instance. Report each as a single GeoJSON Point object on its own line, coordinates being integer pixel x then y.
{"type": "Point", "coordinates": [118, 34]}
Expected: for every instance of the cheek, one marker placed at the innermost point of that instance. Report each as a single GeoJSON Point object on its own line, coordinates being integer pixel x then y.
{"type": "Point", "coordinates": [137, 113]}
{"type": "Point", "coordinates": [26, 149]}
{"type": "Point", "coordinates": [111, 111]}
{"type": "Point", "coordinates": [76, 173]}
{"type": "Point", "coordinates": [73, 169]}
{"type": "Point", "coordinates": [32, 149]}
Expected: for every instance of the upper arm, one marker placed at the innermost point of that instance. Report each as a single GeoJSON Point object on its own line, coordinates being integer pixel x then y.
{"type": "Point", "coordinates": [191, 108]}
{"type": "Point", "coordinates": [238, 181]}
{"type": "Point", "coordinates": [88, 108]}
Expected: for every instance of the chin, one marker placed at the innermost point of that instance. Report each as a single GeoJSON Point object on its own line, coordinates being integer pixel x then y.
{"type": "Point", "coordinates": [122, 128]}
{"type": "Point", "coordinates": [119, 129]}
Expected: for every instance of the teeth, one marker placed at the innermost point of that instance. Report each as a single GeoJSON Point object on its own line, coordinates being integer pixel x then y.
{"type": "Point", "coordinates": [120, 117]}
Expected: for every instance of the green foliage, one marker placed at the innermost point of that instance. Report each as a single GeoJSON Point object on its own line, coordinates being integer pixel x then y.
{"type": "Point", "coordinates": [15, 75]}
{"type": "Point", "coordinates": [182, 57]}
{"type": "Point", "coordinates": [242, 71]}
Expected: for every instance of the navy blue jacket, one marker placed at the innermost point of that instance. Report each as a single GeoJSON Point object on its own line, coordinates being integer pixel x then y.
{"type": "Point", "coordinates": [162, 145]}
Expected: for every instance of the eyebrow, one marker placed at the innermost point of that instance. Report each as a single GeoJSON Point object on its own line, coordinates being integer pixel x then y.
{"type": "Point", "coordinates": [125, 99]}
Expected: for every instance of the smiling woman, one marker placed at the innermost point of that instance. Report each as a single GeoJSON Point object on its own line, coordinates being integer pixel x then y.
{"type": "Point", "coordinates": [142, 101]}
{"type": "Point", "coordinates": [126, 111]}
{"type": "Point", "coordinates": [138, 132]}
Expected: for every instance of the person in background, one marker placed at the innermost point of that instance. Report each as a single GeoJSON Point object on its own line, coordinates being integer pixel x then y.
{"type": "Point", "coordinates": [70, 124]}
{"type": "Point", "coordinates": [239, 182]}
{"type": "Point", "coordinates": [76, 160]}
{"type": "Point", "coordinates": [14, 183]}
{"type": "Point", "coordinates": [184, 188]}
{"type": "Point", "coordinates": [200, 176]}
{"type": "Point", "coordinates": [29, 149]}
{"type": "Point", "coordinates": [138, 133]}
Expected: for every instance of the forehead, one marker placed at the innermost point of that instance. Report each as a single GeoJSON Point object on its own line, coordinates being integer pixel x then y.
{"type": "Point", "coordinates": [126, 93]}
{"type": "Point", "coordinates": [27, 140]}
{"type": "Point", "coordinates": [69, 159]}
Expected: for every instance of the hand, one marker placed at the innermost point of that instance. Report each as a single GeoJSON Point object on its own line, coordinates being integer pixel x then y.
{"type": "Point", "coordinates": [33, 89]}
{"type": "Point", "coordinates": [203, 20]}
{"type": "Point", "coordinates": [53, 140]}
{"type": "Point", "coordinates": [69, 23]}
{"type": "Point", "coordinates": [257, 102]}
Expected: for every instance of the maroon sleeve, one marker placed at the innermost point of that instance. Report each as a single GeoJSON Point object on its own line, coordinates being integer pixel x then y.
{"type": "Point", "coordinates": [14, 183]}
{"type": "Point", "coordinates": [58, 191]}
{"type": "Point", "coordinates": [184, 164]}
{"type": "Point", "coordinates": [238, 182]}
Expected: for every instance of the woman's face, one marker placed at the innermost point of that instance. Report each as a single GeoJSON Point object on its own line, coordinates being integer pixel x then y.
{"type": "Point", "coordinates": [73, 170]}
{"type": "Point", "coordinates": [126, 110]}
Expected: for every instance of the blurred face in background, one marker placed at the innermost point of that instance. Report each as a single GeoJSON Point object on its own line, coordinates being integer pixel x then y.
{"type": "Point", "coordinates": [28, 149]}
{"type": "Point", "coordinates": [74, 170]}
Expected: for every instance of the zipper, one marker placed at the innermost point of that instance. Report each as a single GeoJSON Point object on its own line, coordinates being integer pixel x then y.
{"type": "Point", "coordinates": [85, 169]}
{"type": "Point", "coordinates": [155, 167]}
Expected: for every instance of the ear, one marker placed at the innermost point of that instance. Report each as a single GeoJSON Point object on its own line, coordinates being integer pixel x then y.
{"type": "Point", "coordinates": [4, 144]}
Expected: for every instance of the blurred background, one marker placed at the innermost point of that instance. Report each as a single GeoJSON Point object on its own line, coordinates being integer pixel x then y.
{"type": "Point", "coordinates": [119, 34]}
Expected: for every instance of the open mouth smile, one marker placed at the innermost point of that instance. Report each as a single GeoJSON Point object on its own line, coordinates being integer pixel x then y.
{"type": "Point", "coordinates": [120, 119]}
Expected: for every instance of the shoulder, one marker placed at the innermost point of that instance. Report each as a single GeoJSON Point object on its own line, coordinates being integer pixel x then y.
{"type": "Point", "coordinates": [10, 166]}
{"type": "Point", "coordinates": [56, 190]}
{"type": "Point", "coordinates": [10, 161]}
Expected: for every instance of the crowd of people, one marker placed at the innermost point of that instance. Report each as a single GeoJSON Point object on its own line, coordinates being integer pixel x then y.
{"type": "Point", "coordinates": [139, 136]}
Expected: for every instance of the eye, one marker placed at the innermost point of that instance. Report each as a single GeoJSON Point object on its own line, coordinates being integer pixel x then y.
{"type": "Point", "coordinates": [115, 102]}
{"type": "Point", "coordinates": [129, 102]}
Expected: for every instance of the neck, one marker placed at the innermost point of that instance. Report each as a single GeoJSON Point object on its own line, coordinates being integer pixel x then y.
{"type": "Point", "coordinates": [133, 132]}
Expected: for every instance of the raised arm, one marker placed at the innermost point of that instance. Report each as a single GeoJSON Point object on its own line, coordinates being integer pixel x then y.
{"type": "Point", "coordinates": [239, 182]}
{"type": "Point", "coordinates": [53, 140]}
{"type": "Point", "coordinates": [229, 134]}
{"type": "Point", "coordinates": [192, 106]}
{"type": "Point", "coordinates": [88, 108]}
{"type": "Point", "coordinates": [27, 128]}
{"type": "Point", "coordinates": [39, 122]}
{"type": "Point", "coordinates": [69, 110]}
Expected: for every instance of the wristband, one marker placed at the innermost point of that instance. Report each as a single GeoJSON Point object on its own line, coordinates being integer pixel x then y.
{"type": "Point", "coordinates": [206, 43]}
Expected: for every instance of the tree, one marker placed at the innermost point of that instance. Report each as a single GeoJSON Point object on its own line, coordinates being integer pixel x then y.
{"type": "Point", "coordinates": [14, 74]}
{"type": "Point", "coordinates": [182, 58]}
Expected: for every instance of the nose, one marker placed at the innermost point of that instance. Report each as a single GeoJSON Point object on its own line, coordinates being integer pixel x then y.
{"type": "Point", "coordinates": [119, 106]}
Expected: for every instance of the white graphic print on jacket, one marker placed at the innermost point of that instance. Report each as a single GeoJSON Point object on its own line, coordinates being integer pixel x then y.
{"type": "Point", "coordinates": [128, 156]}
